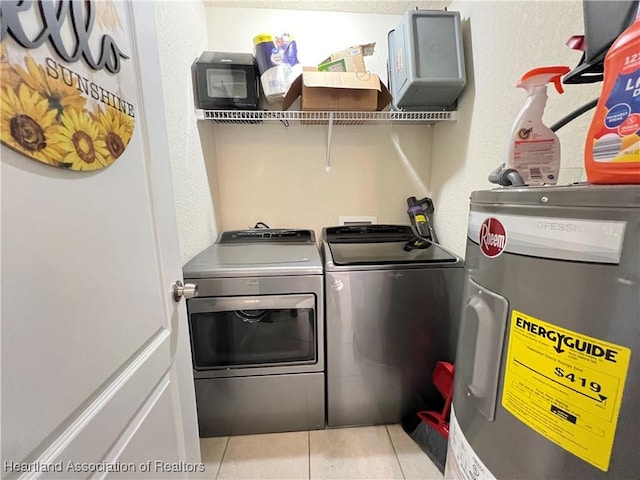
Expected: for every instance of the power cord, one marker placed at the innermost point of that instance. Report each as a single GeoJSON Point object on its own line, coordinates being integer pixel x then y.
{"type": "Point", "coordinates": [431, 242]}
{"type": "Point", "coordinates": [573, 115]}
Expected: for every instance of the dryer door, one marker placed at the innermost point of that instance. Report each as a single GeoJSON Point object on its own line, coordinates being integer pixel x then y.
{"type": "Point", "coordinates": [253, 331]}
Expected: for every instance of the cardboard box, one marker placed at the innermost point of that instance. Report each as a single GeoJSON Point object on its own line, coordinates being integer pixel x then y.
{"type": "Point", "coordinates": [338, 91]}
{"type": "Point", "coordinates": [349, 60]}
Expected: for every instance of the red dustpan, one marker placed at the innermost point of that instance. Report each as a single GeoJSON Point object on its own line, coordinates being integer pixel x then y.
{"type": "Point", "coordinates": [443, 380]}
{"type": "Point", "coordinates": [432, 433]}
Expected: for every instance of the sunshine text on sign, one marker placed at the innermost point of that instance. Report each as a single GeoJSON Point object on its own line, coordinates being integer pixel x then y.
{"type": "Point", "coordinates": [59, 72]}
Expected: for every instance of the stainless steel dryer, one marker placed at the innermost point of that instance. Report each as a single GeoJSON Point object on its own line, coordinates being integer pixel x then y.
{"type": "Point", "coordinates": [257, 333]}
{"type": "Point", "coordinates": [392, 313]}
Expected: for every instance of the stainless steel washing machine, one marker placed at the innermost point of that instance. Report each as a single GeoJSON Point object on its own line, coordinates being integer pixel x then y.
{"type": "Point", "coordinates": [392, 313]}
{"type": "Point", "coordinates": [257, 333]}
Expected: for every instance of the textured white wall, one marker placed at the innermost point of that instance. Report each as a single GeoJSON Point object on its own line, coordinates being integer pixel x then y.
{"type": "Point", "coordinates": [182, 36]}
{"type": "Point", "coordinates": [503, 40]}
{"type": "Point", "coordinates": [277, 175]}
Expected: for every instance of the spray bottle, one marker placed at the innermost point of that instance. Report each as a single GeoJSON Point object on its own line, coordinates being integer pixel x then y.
{"type": "Point", "coordinates": [612, 150]}
{"type": "Point", "coordinates": [534, 150]}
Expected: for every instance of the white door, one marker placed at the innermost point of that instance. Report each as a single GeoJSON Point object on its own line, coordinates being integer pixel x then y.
{"type": "Point", "coordinates": [96, 369]}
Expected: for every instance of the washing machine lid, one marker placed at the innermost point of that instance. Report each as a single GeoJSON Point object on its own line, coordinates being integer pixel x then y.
{"type": "Point", "coordinates": [380, 245]}
{"type": "Point", "coordinates": [257, 253]}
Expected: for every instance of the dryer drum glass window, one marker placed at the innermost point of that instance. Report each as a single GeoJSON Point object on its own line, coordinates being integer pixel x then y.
{"type": "Point", "coordinates": [253, 331]}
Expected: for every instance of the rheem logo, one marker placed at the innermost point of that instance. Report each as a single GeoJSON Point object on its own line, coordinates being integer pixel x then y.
{"type": "Point", "coordinates": [493, 237]}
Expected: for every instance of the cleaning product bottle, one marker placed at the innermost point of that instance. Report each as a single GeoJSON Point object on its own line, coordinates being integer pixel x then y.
{"type": "Point", "coordinates": [534, 150]}
{"type": "Point", "coordinates": [612, 150]}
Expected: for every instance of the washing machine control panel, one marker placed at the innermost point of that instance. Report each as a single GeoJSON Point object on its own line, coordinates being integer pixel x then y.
{"type": "Point", "coordinates": [271, 235]}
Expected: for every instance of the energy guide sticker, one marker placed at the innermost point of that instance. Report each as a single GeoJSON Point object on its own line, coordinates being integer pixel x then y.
{"type": "Point", "coordinates": [566, 386]}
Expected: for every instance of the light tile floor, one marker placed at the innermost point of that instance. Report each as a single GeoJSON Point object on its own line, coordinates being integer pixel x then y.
{"type": "Point", "coordinates": [367, 453]}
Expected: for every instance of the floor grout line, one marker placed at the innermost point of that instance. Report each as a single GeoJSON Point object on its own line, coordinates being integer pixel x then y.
{"type": "Point", "coordinates": [390, 438]}
{"type": "Point", "coordinates": [309, 453]}
{"type": "Point", "coordinates": [226, 445]}
{"type": "Point", "coordinates": [394, 451]}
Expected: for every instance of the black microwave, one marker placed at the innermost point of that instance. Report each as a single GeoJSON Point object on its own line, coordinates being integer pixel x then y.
{"type": "Point", "coordinates": [226, 81]}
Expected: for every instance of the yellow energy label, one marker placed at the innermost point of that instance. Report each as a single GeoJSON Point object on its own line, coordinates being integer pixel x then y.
{"type": "Point", "coordinates": [566, 386]}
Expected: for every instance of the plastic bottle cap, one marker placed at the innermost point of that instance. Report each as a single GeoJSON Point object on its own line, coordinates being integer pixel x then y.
{"type": "Point", "coordinates": [542, 76]}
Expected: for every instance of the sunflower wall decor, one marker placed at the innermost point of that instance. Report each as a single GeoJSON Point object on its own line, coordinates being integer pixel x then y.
{"type": "Point", "coordinates": [67, 84]}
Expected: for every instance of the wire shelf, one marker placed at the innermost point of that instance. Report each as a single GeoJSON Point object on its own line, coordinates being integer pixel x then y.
{"type": "Point", "coordinates": [251, 117]}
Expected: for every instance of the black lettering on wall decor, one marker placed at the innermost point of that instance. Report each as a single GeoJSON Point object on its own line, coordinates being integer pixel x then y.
{"type": "Point", "coordinates": [53, 15]}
